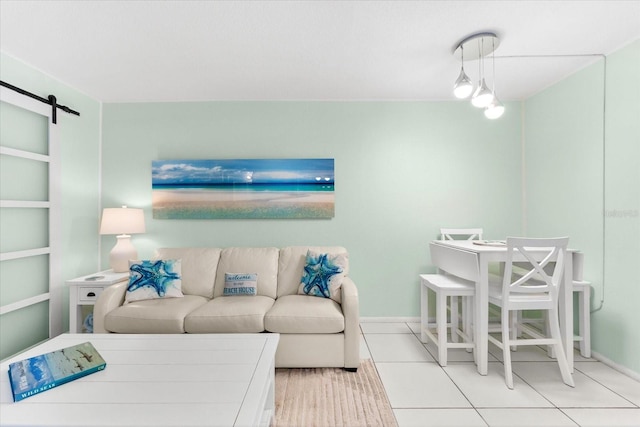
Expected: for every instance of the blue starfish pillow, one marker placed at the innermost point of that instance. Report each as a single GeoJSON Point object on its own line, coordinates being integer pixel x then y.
{"type": "Point", "coordinates": [154, 279]}
{"type": "Point", "coordinates": [323, 274]}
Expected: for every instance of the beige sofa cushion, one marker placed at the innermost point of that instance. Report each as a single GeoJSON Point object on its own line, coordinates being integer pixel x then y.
{"type": "Point", "coordinates": [157, 316]}
{"type": "Point", "coordinates": [263, 261]}
{"type": "Point", "coordinates": [230, 314]}
{"type": "Point", "coordinates": [291, 264]}
{"type": "Point", "coordinates": [302, 314]}
{"type": "Point", "coordinates": [198, 268]}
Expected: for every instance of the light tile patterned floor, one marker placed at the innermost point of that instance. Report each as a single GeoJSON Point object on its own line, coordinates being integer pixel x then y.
{"type": "Point", "coordinates": [424, 394]}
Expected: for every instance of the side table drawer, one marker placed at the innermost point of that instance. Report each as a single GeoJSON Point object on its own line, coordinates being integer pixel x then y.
{"type": "Point", "coordinates": [89, 293]}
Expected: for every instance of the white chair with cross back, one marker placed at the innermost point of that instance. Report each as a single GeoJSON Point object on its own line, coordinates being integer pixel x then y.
{"type": "Point", "coordinates": [536, 289]}
{"type": "Point", "coordinates": [582, 290]}
{"type": "Point", "coordinates": [463, 233]}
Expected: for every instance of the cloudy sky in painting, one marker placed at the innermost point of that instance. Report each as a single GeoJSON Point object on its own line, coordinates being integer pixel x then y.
{"type": "Point", "coordinates": [271, 171]}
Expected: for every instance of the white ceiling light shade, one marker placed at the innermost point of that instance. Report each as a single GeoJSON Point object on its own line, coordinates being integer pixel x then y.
{"type": "Point", "coordinates": [463, 87]}
{"type": "Point", "coordinates": [495, 110]}
{"type": "Point", "coordinates": [482, 96]}
{"type": "Point", "coordinates": [477, 46]}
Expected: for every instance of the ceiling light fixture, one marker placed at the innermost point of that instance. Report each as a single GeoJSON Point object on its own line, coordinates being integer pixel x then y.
{"type": "Point", "coordinates": [477, 46]}
{"type": "Point", "coordinates": [482, 96]}
{"type": "Point", "coordinates": [463, 87]}
{"type": "Point", "coordinates": [495, 109]}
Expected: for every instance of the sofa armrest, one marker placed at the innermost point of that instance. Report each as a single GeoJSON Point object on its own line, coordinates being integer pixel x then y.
{"type": "Point", "coordinates": [351, 312]}
{"type": "Point", "coordinates": [110, 299]}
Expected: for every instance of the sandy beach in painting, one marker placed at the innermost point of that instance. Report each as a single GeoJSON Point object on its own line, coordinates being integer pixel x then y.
{"type": "Point", "coordinates": [243, 188]}
{"type": "Point", "coordinates": [201, 204]}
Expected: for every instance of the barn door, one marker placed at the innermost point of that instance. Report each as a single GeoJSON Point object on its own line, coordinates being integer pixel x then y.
{"type": "Point", "coordinates": [30, 262]}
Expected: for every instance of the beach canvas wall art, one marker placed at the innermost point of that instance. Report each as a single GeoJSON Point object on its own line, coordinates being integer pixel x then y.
{"type": "Point", "coordinates": [243, 189]}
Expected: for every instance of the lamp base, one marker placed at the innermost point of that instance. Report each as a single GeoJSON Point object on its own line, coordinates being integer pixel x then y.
{"type": "Point", "coordinates": [121, 253]}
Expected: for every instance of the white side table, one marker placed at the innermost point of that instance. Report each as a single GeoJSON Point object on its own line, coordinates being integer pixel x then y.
{"type": "Point", "coordinates": [83, 293]}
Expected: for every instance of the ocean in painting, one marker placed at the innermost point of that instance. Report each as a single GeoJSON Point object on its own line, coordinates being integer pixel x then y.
{"type": "Point", "coordinates": [243, 189]}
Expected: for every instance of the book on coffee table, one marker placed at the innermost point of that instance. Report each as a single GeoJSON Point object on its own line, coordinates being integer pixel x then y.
{"type": "Point", "coordinates": [46, 371]}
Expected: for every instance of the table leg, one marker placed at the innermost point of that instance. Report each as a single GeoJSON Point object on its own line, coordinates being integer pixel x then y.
{"type": "Point", "coordinates": [481, 328]}
{"type": "Point", "coordinates": [424, 311]}
{"type": "Point", "coordinates": [73, 310]}
{"type": "Point", "coordinates": [565, 308]}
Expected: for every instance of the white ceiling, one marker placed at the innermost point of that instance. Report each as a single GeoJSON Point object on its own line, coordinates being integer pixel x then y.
{"type": "Point", "coordinates": [137, 51]}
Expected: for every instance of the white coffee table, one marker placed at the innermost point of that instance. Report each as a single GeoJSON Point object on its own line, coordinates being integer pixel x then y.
{"type": "Point", "coordinates": [156, 380]}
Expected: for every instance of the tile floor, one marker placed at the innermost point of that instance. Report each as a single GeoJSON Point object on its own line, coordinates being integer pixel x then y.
{"type": "Point", "coordinates": [424, 394]}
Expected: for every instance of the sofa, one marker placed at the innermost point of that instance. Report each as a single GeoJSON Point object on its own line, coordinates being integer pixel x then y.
{"type": "Point", "coordinates": [314, 331]}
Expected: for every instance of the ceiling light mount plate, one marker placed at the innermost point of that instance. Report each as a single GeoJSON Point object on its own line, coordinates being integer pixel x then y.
{"type": "Point", "coordinates": [476, 45]}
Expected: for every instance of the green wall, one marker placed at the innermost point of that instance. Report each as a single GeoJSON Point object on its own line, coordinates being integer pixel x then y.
{"type": "Point", "coordinates": [403, 170]}
{"type": "Point", "coordinates": [563, 166]}
{"type": "Point", "coordinates": [567, 141]}
{"type": "Point", "coordinates": [80, 141]}
{"type": "Point", "coordinates": [615, 327]}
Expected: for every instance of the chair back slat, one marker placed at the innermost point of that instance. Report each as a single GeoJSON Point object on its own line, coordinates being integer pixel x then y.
{"type": "Point", "coordinates": [541, 275]}
{"type": "Point", "coordinates": [467, 233]}
{"type": "Point", "coordinates": [463, 265]}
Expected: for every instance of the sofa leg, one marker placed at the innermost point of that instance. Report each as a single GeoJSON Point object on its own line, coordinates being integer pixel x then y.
{"type": "Point", "coordinates": [351, 369]}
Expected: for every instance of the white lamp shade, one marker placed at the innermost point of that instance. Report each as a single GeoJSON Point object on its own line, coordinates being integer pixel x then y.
{"type": "Point", "coordinates": [122, 221]}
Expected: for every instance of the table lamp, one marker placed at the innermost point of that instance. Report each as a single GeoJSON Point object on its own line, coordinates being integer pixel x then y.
{"type": "Point", "coordinates": [123, 222]}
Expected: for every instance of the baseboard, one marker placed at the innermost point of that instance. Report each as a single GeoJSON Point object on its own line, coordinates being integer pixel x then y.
{"type": "Point", "coordinates": [390, 319]}
{"type": "Point", "coordinates": [622, 369]}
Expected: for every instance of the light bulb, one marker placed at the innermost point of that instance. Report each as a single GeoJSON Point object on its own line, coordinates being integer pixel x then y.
{"type": "Point", "coordinates": [483, 96]}
{"type": "Point", "coordinates": [494, 110]}
{"type": "Point", "coordinates": [463, 87]}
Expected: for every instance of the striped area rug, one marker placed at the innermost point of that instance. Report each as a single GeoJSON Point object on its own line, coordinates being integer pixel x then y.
{"type": "Point", "coordinates": [324, 397]}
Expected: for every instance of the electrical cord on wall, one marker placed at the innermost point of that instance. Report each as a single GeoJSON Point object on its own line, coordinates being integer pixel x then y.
{"type": "Point", "coordinates": [604, 178]}
{"type": "Point", "coordinates": [604, 111]}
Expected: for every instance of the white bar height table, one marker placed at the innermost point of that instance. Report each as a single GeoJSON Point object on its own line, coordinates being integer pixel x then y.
{"type": "Point", "coordinates": [159, 380]}
{"type": "Point", "coordinates": [488, 254]}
